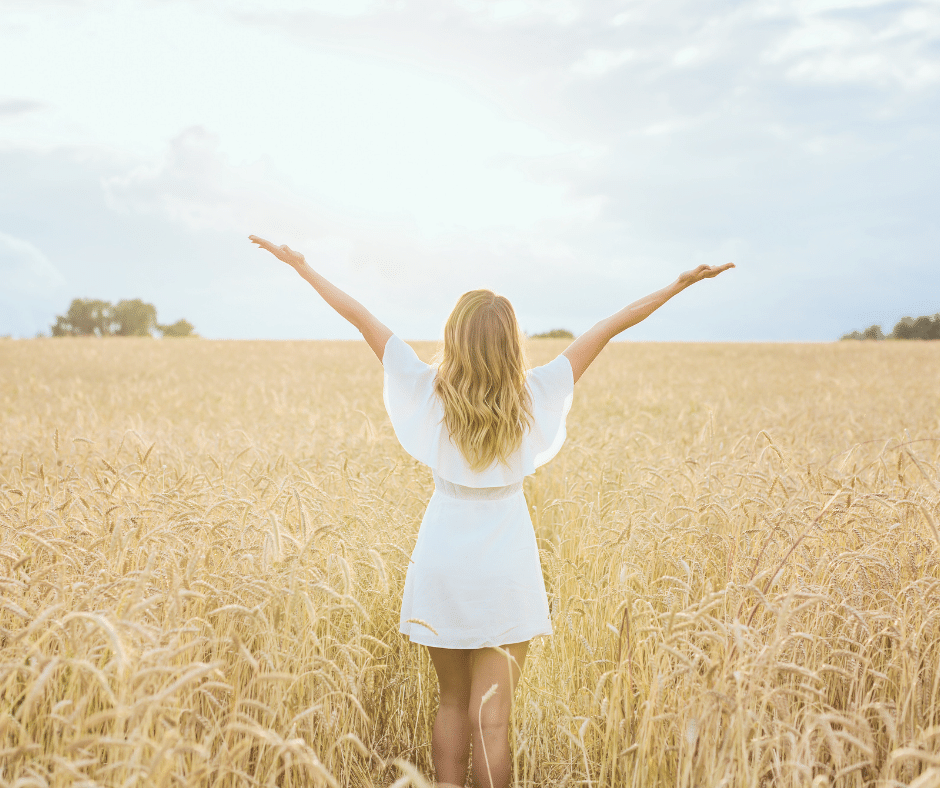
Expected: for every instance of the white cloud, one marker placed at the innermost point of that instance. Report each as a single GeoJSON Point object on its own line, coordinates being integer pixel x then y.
{"type": "Point", "coordinates": [876, 69]}
{"type": "Point", "coordinates": [14, 108]}
{"type": "Point", "coordinates": [193, 183]}
{"type": "Point", "coordinates": [339, 8]}
{"type": "Point", "coordinates": [826, 6]}
{"type": "Point", "coordinates": [598, 62]}
{"type": "Point", "coordinates": [866, 43]}
{"type": "Point", "coordinates": [560, 12]}
{"type": "Point", "coordinates": [687, 56]}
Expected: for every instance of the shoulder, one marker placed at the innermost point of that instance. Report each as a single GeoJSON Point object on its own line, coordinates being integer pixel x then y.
{"type": "Point", "coordinates": [399, 358]}
{"type": "Point", "coordinates": [555, 377]}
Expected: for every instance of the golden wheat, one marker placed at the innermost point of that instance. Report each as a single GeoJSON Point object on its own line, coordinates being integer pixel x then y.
{"type": "Point", "coordinates": [203, 547]}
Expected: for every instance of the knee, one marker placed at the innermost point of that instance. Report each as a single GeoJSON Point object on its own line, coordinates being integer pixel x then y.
{"type": "Point", "coordinates": [490, 722]}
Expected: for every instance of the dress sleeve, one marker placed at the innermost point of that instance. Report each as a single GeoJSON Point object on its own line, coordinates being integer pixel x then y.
{"type": "Point", "coordinates": [552, 390]}
{"type": "Point", "coordinates": [410, 401]}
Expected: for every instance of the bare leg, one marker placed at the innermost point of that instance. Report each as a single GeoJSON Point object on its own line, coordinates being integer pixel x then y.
{"type": "Point", "coordinates": [492, 764]}
{"type": "Point", "coordinates": [450, 739]}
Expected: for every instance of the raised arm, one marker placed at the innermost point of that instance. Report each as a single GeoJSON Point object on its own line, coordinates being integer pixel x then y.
{"type": "Point", "coordinates": [376, 334]}
{"type": "Point", "coordinates": [585, 348]}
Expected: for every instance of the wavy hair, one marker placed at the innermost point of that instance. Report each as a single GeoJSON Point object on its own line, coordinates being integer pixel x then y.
{"type": "Point", "coordinates": [481, 379]}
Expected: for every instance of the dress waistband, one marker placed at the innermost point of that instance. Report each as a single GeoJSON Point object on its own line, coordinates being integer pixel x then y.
{"type": "Point", "coordinates": [452, 490]}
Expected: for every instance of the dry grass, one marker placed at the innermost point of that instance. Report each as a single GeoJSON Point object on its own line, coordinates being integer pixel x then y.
{"type": "Point", "coordinates": [203, 546]}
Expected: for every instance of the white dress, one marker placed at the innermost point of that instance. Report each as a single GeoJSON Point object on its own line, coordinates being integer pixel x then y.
{"type": "Point", "coordinates": [474, 575]}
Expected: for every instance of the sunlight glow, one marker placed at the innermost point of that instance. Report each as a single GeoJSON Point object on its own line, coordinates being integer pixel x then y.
{"type": "Point", "coordinates": [362, 135]}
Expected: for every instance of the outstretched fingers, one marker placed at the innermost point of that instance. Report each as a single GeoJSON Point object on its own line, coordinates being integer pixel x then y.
{"type": "Point", "coordinates": [282, 252]}
{"type": "Point", "coordinates": [714, 270]}
{"type": "Point", "coordinates": [261, 242]}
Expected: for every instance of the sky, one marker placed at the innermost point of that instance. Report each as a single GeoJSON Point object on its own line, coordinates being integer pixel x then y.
{"type": "Point", "coordinates": [573, 155]}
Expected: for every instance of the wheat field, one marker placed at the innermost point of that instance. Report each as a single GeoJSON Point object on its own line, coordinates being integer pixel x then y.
{"type": "Point", "coordinates": [203, 546]}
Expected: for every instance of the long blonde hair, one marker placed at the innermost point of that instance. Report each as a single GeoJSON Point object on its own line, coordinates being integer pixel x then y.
{"type": "Point", "coordinates": [481, 379]}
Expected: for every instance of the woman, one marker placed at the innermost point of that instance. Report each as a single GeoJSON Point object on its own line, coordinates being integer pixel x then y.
{"type": "Point", "coordinates": [474, 594]}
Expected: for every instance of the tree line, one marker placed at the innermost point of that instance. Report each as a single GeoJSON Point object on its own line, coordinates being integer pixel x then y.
{"type": "Point", "coordinates": [92, 317]}
{"type": "Point", "coordinates": [555, 333]}
{"type": "Point", "coordinates": [924, 327]}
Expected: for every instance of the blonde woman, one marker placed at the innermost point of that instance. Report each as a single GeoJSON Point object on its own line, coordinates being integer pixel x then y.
{"type": "Point", "coordinates": [474, 594]}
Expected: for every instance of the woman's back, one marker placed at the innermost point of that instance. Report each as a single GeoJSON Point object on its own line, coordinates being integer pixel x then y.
{"type": "Point", "coordinates": [418, 418]}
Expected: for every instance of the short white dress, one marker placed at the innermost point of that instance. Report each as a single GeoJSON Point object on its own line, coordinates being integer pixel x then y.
{"type": "Point", "coordinates": [474, 574]}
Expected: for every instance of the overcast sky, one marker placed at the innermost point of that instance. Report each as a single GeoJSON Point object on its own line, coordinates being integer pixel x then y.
{"type": "Point", "coordinates": [571, 155]}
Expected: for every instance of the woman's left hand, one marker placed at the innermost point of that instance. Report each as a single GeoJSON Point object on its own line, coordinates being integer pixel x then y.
{"type": "Point", "coordinates": [702, 272]}
{"type": "Point", "coordinates": [283, 252]}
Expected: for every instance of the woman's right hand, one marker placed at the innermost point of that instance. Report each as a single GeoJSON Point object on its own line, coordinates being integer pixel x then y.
{"type": "Point", "coordinates": [283, 252]}
{"type": "Point", "coordinates": [702, 272]}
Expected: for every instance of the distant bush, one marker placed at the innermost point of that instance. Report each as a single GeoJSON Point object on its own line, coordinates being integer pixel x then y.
{"type": "Point", "coordinates": [181, 328]}
{"type": "Point", "coordinates": [555, 333]}
{"type": "Point", "coordinates": [92, 317]}
{"type": "Point", "coordinates": [872, 332]}
{"type": "Point", "coordinates": [906, 328]}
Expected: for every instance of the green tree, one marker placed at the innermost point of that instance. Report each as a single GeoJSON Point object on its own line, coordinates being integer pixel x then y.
{"type": "Point", "coordinates": [903, 329]}
{"type": "Point", "coordinates": [85, 317]}
{"type": "Point", "coordinates": [181, 328]}
{"type": "Point", "coordinates": [917, 328]}
{"type": "Point", "coordinates": [134, 318]}
{"type": "Point", "coordinates": [90, 317]}
{"type": "Point", "coordinates": [933, 330]}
